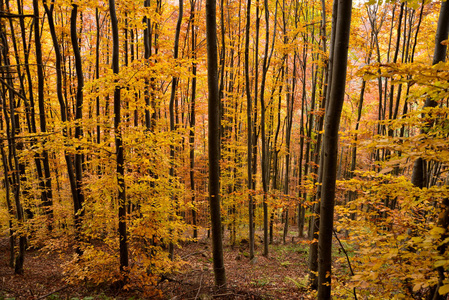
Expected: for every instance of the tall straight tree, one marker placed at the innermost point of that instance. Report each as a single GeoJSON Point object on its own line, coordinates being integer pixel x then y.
{"type": "Point", "coordinates": [420, 177]}
{"type": "Point", "coordinates": [173, 96]}
{"type": "Point", "coordinates": [250, 133]}
{"type": "Point", "coordinates": [47, 194]}
{"type": "Point", "coordinates": [123, 237]}
{"type": "Point", "coordinates": [214, 142]}
{"type": "Point", "coordinates": [64, 118]}
{"type": "Point", "coordinates": [330, 146]}
{"type": "Point", "coordinates": [192, 116]}
{"type": "Point", "coordinates": [315, 220]}
{"type": "Point", "coordinates": [79, 199]}
{"type": "Point", "coordinates": [439, 55]}
{"type": "Point", "coordinates": [12, 129]}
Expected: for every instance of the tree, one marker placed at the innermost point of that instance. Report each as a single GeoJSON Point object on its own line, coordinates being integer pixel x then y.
{"type": "Point", "coordinates": [330, 146]}
{"type": "Point", "coordinates": [439, 55]}
{"type": "Point", "coordinates": [47, 193]}
{"type": "Point", "coordinates": [173, 95]}
{"type": "Point", "coordinates": [79, 198]}
{"type": "Point", "coordinates": [12, 129]}
{"type": "Point", "coordinates": [192, 116]}
{"type": "Point", "coordinates": [214, 143]}
{"type": "Point", "coordinates": [249, 134]}
{"type": "Point", "coordinates": [420, 178]}
{"type": "Point", "coordinates": [123, 235]}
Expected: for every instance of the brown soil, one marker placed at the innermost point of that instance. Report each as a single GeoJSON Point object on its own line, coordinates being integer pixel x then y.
{"type": "Point", "coordinates": [281, 275]}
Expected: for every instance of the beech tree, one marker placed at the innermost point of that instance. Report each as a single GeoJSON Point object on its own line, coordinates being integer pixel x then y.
{"type": "Point", "coordinates": [127, 146]}
{"type": "Point", "coordinates": [330, 146]}
{"type": "Point", "coordinates": [214, 143]}
{"type": "Point", "coordinates": [123, 236]}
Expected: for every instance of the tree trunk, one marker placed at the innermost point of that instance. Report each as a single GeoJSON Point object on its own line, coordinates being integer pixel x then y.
{"type": "Point", "coordinates": [48, 195]}
{"type": "Point", "coordinates": [214, 143]}
{"type": "Point", "coordinates": [172, 111]}
{"type": "Point", "coordinates": [192, 119]}
{"type": "Point", "coordinates": [439, 55]}
{"type": "Point", "coordinates": [123, 236]}
{"type": "Point", "coordinates": [249, 134]}
{"type": "Point", "coordinates": [11, 131]}
{"type": "Point", "coordinates": [79, 199]}
{"type": "Point", "coordinates": [330, 147]}
{"type": "Point", "coordinates": [315, 219]}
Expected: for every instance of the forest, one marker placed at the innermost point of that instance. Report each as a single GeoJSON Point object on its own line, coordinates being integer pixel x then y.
{"type": "Point", "coordinates": [308, 137]}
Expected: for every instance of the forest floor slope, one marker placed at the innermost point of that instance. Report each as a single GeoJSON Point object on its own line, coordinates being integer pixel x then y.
{"type": "Point", "coordinates": [281, 275]}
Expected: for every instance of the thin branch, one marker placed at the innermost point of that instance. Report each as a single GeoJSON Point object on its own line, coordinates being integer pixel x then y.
{"type": "Point", "coordinates": [51, 293]}
{"type": "Point", "coordinates": [199, 289]}
{"type": "Point", "coordinates": [347, 258]}
{"type": "Point", "coordinates": [11, 15]}
{"type": "Point", "coordinates": [12, 89]}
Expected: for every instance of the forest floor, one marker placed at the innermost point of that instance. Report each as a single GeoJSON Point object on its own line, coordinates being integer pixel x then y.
{"type": "Point", "coordinates": [281, 275]}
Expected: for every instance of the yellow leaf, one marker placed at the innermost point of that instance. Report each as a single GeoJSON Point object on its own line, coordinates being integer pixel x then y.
{"type": "Point", "coordinates": [440, 263]}
{"type": "Point", "coordinates": [444, 289]}
{"type": "Point", "coordinates": [417, 287]}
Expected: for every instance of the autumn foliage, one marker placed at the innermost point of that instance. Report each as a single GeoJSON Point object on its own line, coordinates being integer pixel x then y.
{"type": "Point", "coordinates": [58, 143]}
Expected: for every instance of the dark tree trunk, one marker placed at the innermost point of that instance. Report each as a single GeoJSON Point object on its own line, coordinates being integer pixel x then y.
{"type": "Point", "coordinates": [330, 146]}
{"type": "Point", "coordinates": [63, 110]}
{"type": "Point", "coordinates": [315, 219]}
{"type": "Point", "coordinates": [249, 134]}
{"type": "Point", "coordinates": [11, 131]}
{"type": "Point", "coordinates": [79, 199]}
{"type": "Point", "coordinates": [192, 119]}
{"type": "Point", "coordinates": [419, 168]}
{"type": "Point", "coordinates": [288, 131]}
{"type": "Point", "coordinates": [173, 97]}
{"type": "Point", "coordinates": [214, 143]}
{"type": "Point", "coordinates": [47, 194]}
{"type": "Point", "coordinates": [123, 236]}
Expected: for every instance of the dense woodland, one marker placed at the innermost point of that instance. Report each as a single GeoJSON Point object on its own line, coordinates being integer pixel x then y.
{"type": "Point", "coordinates": [128, 128]}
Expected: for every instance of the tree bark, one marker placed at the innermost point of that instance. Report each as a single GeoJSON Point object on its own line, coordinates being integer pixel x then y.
{"type": "Point", "coordinates": [11, 131]}
{"type": "Point", "coordinates": [214, 143]}
{"type": "Point", "coordinates": [315, 219]}
{"type": "Point", "coordinates": [249, 105]}
{"type": "Point", "coordinates": [48, 194]}
{"type": "Point", "coordinates": [79, 199]}
{"type": "Point", "coordinates": [122, 229]}
{"type": "Point", "coordinates": [192, 118]}
{"type": "Point", "coordinates": [330, 147]}
{"type": "Point", "coordinates": [439, 55]}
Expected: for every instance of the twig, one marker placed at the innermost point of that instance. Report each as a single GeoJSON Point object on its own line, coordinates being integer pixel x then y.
{"type": "Point", "coordinates": [222, 295]}
{"type": "Point", "coordinates": [49, 294]}
{"type": "Point", "coordinates": [199, 289]}
{"type": "Point", "coordinates": [347, 258]}
{"type": "Point", "coordinates": [10, 15]}
{"type": "Point", "coordinates": [12, 89]}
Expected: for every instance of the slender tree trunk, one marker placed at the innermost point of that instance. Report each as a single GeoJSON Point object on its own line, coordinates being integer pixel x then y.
{"type": "Point", "coordinates": [123, 236]}
{"type": "Point", "coordinates": [11, 131]}
{"type": "Point", "coordinates": [79, 211]}
{"type": "Point", "coordinates": [419, 168]}
{"type": "Point", "coordinates": [214, 143]}
{"type": "Point", "coordinates": [64, 118]}
{"type": "Point", "coordinates": [288, 130]}
{"type": "Point", "coordinates": [8, 203]}
{"type": "Point", "coordinates": [48, 199]}
{"type": "Point", "coordinates": [330, 147]}
{"type": "Point", "coordinates": [315, 220]}
{"type": "Point", "coordinates": [192, 118]}
{"type": "Point", "coordinates": [419, 177]}
{"type": "Point", "coordinates": [171, 107]}
{"type": "Point", "coordinates": [97, 72]}
{"type": "Point", "coordinates": [250, 133]}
